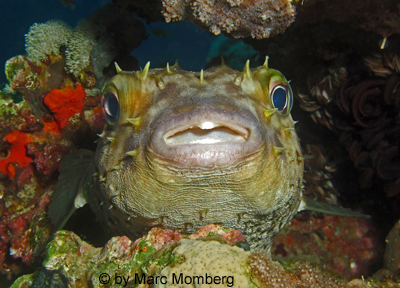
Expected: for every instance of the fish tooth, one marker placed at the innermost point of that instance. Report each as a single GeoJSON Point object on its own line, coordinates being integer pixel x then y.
{"type": "Point", "coordinates": [102, 134]}
{"type": "Point", "coordinates": [111, 206]}
{"type": "Point", "coordinates": [201, 76]}
{"type": "Point", "coordinates": [278, 150]}
{"type": "Point", "coordinates": [300, 159]}
{"type": "Point", "coordinates": [269, 112]}
{"type": "Point", "coordinates": [288, 131]}
{"type": "Point", "coordinates": [111, 139]}
{"type": "Point", "coordinates": [119, 70]}
{"type": "Point", "coordinates": [266, 62]}
{"type": "Point", "coordinates": [133, 153]}
{"type": "Point", "coordinates": [95, 174]}
{"type": "Point", "coordinates": [103, 179]}
{"type": "Point", "coordinates": [135, 121]}
{"type": "Point", "coordinates": [145, 71]}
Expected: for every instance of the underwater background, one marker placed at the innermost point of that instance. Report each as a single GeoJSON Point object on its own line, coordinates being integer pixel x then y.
{"type": "Point", "coordinates": [346, 79]}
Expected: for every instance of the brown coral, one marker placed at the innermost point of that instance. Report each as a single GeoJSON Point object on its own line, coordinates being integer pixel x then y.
{"type": "Point", "coordinates": [269, 274]}
{"type": "Point", "coordinates": [314, 277]}
{"type": "Point", "coordinates": [241, 18]}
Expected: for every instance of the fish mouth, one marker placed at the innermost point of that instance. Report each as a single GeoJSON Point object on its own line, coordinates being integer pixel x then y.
{"type": "Point", "coordinates": [207, 132]}
{"type": "Point", "coordinates": [207, 137]}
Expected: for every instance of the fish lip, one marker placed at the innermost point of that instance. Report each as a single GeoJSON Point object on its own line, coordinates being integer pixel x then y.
{"type": "Point", "coordinates": [247, 140]}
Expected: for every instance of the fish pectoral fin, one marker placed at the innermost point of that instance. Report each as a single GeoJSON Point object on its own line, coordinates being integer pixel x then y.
{"type": "Point", "coordinates": [76, 172]}
{"type": "Point", "coordinates": [312, 205]}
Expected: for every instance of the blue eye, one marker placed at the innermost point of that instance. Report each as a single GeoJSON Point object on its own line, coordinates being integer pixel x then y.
{"type": "Point", "coordinates": [282, 98]}
{"type": "Point", "coordinates": [110, 107]}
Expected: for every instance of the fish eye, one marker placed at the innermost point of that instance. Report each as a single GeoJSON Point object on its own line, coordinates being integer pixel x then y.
{"type": "Point", "coordinates": [282, 98]}
{"type": "Point", "coordinates": [110, 107]}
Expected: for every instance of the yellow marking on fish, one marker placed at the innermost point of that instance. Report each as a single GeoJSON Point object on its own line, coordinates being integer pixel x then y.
{"type": "Point", "coordinates": [176, 65]}
{"type": "Point", "coordinates": [116, 193]}
{"type": "Point", "coordinates": [143, 74]}
{"type": "Point", "coordinates": [266, 62]}
{"type": "Point", "coordinates": [133, 153]}
{"type": "Point", "coordinates": [269, 112]}
{"type": "Point", "coordinates": [116, 168]}
{"type": "Point", "coordinates": [278, 150]}
{"type": "Point", "coordinates": [168, 70]}
{"type": "Point", "coordinates": [111, 139]}
{"type": "Point", "coordinates": [201, 76]}
{"type": "Point", "coordinates": [136, 122]}
{"type": "Point", "coordinates": [288, 131]}
{"type": "Point", "coordinates": [247, 71]}
{"type": "Point", "coordinates": [119, 70]}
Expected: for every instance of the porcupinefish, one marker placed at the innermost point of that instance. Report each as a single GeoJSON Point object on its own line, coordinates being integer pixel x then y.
{"type": "Point", "coordinates": [181, 150]}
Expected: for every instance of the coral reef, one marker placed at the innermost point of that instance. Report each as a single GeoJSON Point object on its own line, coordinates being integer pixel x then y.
{"type": "Point", "coordinates": [80, 45]}
{"type": "Point", "coordinates": [151, 256]}
{"type": "Point", "coordinates": [364, 114]}
{"type": "Point", "coordinates": [239, 18]}
{"type": "Point", "coordinates": [268, 273]}
{"type": "Point", "coordinates": [46, 38]}
{"type": "Point", "coordinates": [219, 261]}
{"type": "Point", "coordinates": [380, 17]}
{"type": "Point", "coordinates": [392, 257]}
{"type": "Point", "coordinates": [98, 38]}
{"type": "Point", "coordinates": [164, 257]}
{"type": "Point", "coordinates": [346, 246]}
{"type": "Point", "coordinates": [36, 134]}
{"type": "Point", "coordinates": [65, 103]}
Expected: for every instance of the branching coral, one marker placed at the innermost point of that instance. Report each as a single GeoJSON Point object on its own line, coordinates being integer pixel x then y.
{"type": "Point", "coordinates": [241, 18]}
{"type": "Point", "coordinates": [79, 47]}
{"type": "Point", "coordinates": [46, 38]}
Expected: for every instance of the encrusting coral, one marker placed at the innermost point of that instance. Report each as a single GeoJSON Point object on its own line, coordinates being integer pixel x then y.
{"type": "Point", "coordinates": [241, 18]}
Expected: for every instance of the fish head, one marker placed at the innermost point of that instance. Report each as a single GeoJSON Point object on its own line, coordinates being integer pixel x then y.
{"type": "Point", "coordinates": [182, 149]}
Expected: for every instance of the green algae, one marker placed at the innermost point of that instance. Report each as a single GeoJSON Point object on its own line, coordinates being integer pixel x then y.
{"type": "Point", "coordinates": [25, 281]}
{"type": "Point", "coordinates": [62, 243]}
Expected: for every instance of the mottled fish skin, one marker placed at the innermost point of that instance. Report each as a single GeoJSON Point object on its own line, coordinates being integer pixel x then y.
{"type": "Point", "coordinates": [142, 181]}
